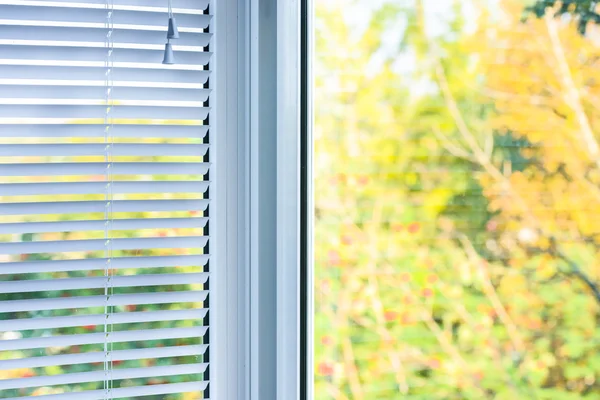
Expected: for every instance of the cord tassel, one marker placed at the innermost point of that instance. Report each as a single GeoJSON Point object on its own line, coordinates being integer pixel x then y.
{"type": "Point", "coordinates": [169, 58]}
{"type": "Point", "coordinates": [172, 33]}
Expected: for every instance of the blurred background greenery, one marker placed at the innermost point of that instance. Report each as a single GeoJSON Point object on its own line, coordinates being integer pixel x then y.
{"type": "Point", "coordinates": [457, 187]}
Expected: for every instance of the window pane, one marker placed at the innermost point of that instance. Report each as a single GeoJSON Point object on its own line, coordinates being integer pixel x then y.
{"type": "Point", "coordinates": [457, 181]}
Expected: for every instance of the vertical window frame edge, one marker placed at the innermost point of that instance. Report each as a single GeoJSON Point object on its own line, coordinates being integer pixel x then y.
{"type": "Point", "coordinates": [294, 202]}
{"type": "Point", "coordinates": [307, 203]}
{"type": "Point", "coordinates": [227, 334]}
{"type": "Point", "coordinates": [279, 201]}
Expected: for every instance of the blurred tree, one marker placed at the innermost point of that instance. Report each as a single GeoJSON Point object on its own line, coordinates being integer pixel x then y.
{"type": "Point", "coordinates": [541, 78]}
{"type": "Point", "coordinates": [451, 263]}
{"type": "Point", "coordinates": [584, 11]}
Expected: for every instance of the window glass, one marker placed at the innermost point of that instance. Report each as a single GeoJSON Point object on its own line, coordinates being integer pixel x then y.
{"type": "Point", "coordinates": [457, 174]}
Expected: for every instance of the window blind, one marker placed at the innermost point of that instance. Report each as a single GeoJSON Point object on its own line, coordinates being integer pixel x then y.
{"type": "Point", "coordinates": [104, 187]}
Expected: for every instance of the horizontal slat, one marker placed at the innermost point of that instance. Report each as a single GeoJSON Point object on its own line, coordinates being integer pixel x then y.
{"type": "Point", "coordinates": [63, 45]}
{"type": "Point", "coordinates": [191, 111]}
{"type": "Point", "coordinates": [93, 376]}
{"type": "Point", "coordinates": [88, 76]}
{"type": "Point", "coordinates": [97, 69]}
{"type": "Point", "coordinates": [85, 51]}
{"type": "Point", "coordinates": [116, 5]}
{"type": "Point", "coordinates": [122, 14]}
{"type": "Point", "coordinates": [101, 225]}
{"type": "Point", "coordinates": [125, 106]}
{"type": "Point", "coordinates": [50, 246]}
{"type": "Point", "coordinates": [88, 130]}
{"type": "Point", "coordinates": [177, 4]}
{"type": "Point", "coordinates": [38, 83]}
{"type": "Point", "coordinates": [100, 168]}
{"type": "Point", "coordinates": [94, 123]}
{"type": "Point", "coordinates": [100, 149]}
{"type": "Point", "coordinates": [27, 286]}
{"type": "Point", "coordinates": [74, 207]}
{"type": "Point", "coordinates": [95, 264]}
{"type": "Point", "coordinates": [169, 388]}
{"type": "Point", "coordinates": [76, 93]}
{"type": "Point", "coordinates": [101, 337]}
{"type": "Point", "coordinates": [118, 187]}
{"type": "Point", "coordinates": [97, 31]}
{"type": "Point", "coordinates": [97, 356]}
{"type": "Point", "coordinates": [99, 301]}
{"type": "Point", "coordinates": [24, 324]}
{"type": "Point", "coordinates": [91, 25]}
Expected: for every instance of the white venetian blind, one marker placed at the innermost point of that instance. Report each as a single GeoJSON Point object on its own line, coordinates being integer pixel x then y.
{"type": "Point", "coordinates": [104, 200]}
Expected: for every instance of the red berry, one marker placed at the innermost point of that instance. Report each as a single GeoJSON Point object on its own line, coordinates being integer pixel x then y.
{"type": "Point", "coordinates": [326, 340]}
{"type": "Point", "coordinates": [397, 227]}
{"type": "Point", "coordinates": [414, 227]}
{"type": "Point", "coordinates": [491, 226]}
{"type": "Point", "coordinates": [363, 180]}
{"type": "Point", "coordinates": [405, 319]}
{"type": "Point", "coordinates": [334, 257]}
{"type": "Point", "coordinates": [325, 369]}
{"type": "Point", "coordinates": [390, 315]}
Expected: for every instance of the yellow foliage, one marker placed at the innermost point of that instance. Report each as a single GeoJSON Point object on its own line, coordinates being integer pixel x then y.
{"type": "Point", "coordinates": [16, 373]}
{"type": "Point", "coordinates": [541, 77]}
{"type": "Point", "coordinates": [192, 396]}
{"type": "Point", "coordinates": [46, 391]}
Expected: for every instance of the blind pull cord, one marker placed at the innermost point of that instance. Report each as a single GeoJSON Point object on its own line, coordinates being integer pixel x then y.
{"type": "Point", "coordinates": [108, 211]}
{"type": "Point", "coordinates": [172, 33]}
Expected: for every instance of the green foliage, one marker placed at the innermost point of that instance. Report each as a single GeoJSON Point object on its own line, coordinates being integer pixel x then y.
{"type": "Point", "coordinates": [450, 227]}
{"type": "Point", "coordinates": [584, 11]}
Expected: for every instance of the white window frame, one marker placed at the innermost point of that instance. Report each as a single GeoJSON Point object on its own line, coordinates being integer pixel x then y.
{"type": "Point", "coordinates": [257, 197]}
{"type": "Point", "coordinates": [256, 350]}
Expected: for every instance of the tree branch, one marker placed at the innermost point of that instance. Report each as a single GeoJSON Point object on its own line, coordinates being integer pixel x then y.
{"type": "Point", "coordinates": [377, 304]}
{"type": "Point", "coordinates": [489, 290]}
{"type": "Point", "coordinates": [572, 95]}
{"type": "Point", "coordinates": [575, 270]}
